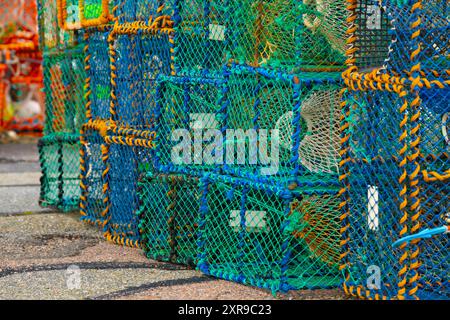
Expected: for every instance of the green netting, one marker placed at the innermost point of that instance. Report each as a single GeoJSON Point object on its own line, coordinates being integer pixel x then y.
{"type": "Point", "coordinates": [267, 237]}
{"type": "Point", "coordinates": [60, 181]}
{"type": "Point", "coordinates": [92, 9]}
{"type": "Point", "coordinates": [188, 117]}
{"type": "Point", "coordinates": [64, 76]}
{"type": "Point", "coordinates": [59, 149]}
{"type": "Point", "coordinates": [289, 34]}
{"type": "Point", "coordinates": [304, 109]}
{"type": "Point", "coordinates": [169, 206]}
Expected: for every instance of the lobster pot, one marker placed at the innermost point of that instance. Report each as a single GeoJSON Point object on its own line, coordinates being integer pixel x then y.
{"type": "Point", "coordinates": [282, 129]}
{"type": "Point", "coordinates": [139, 59]}
{"type": "Point", "coordinates": [168, 211]}
{"type": "Point", "coordinates": [433, 38]}
{"type": "Point", "coordinates": [383, 36]}
{"type": "Point", "coordinates": [200, 36]}
{"type": "Point", "coordinates": [125, 163]}
{"type": "Point", "coordinates": [64, 96]}
{"type": "Point", "coordinates": [98, 73]}
{"type": "Point", "coordinates": [59, 149]}
{"type": "Point", "coordinates": [93, 201]}
{"type": "Point", "coordinates": [269, 238]}
{"type": "Point", "coordinates": [288, 34]}
{"type": "Point", "coordinates": [143, 10]}
{"type": "Point", "coordinates": [189, 120]}
{"type": "Point", "coordinates": [434, 191]}
{"type": "Point", "coordinates": [51, 34]}
{"type": "Point", "coordinates": [59, 160]}
{"type": "Point", "coordinates": [434, 282]}
{"type": "Point", "coordinates": [285, 34]}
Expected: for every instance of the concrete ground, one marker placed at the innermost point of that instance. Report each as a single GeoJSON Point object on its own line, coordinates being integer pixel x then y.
{"type": "Point", "coordinates": [50, 255]}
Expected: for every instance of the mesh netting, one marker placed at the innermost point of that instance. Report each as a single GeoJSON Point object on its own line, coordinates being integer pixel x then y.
{"type": "Point", "coordinates": [64, 98]}
{"type": "Point", "coordinates": [125, 165]}
{"type": "Point", "coordinates": [267, 237]}
{"type": "Point", "coordinates": [51, 35]}
{"type": "Point", "coordinates": [384, 31]}
{"type": "Point", "coordinates": [434, 187]}
{"type": "Point", "coordinates": [93, 200]}
{"type": "Point", "coordinates": [64, 77]}
{"type": "Point", "coordinates": [304, 111]}
{"type": "Point", "coordinates": [383, 209]}
{"type": "Point", "coordinates": [98, 72]}
{"type": "Point", "coordinates": [188, 118]}
{"type": "Point", "coordinates": [395, 146]}
{"type": "Point", "coordinates": [284, 33]}
{"type": "Point", "coordinates": [374, 197]}
{"type": "Point", "coordinates": [140, 58]}
{"type": "Point", "coordinates": [122, 65]}
{"type": "Point", "coordinates": [64, 81]}
{"type": "Point", "coordinates": [433, 39]}
{"type": "Point", "coordinates": [143, 10]}
{"type": "Point", "coordinates": [113, 158]}
{"type": "Point", "coordinates": [60, 181]}
{"type": "Point", "coordinates": [168, 211]}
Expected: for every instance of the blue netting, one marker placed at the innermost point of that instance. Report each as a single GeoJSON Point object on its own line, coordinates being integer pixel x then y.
{"type": "Point", "coordinates": [93, 201]}
{"type": "Point", "coordinates": [139, 60]}
{"type": "Point", "coordinates": [99, 73]}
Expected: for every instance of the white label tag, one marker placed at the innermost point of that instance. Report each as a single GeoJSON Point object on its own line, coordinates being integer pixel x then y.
{"type": "Point", "coordinates": [373, 17]}
{"type": "Point", "coordinates": [255, 221]}
{"type": "Point", "coordinates": [373, 220]}
{"type": "Point", "coordinates": [216, 32]}
{"type": "Point", "coordinates": [203, 121]}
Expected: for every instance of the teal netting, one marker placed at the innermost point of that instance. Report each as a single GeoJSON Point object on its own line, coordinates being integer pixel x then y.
{"type": "Point", "coordinates": [64, 98]}
{"type": "Point", "coordinates": [169, 206]}
{"type": "Point", "coordinates": [286, 34]}
{"type": "Point", "coordinates": [263, 236]}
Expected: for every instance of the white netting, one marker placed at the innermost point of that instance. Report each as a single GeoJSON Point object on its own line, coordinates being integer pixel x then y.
{"type": "Point", "coordinates": [319, 148]}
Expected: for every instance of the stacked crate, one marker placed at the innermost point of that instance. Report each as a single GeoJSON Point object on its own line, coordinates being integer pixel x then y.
{"type": "Point", "coordinates": [395, 149]}
{"type": "Point", "coordinates": [260, 66]}
{"type": "Point", "coordinates": [64, 78]}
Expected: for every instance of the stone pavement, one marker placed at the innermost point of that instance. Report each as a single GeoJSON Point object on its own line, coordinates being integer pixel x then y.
{"type": "Point", "coordinates": [50, 255]}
